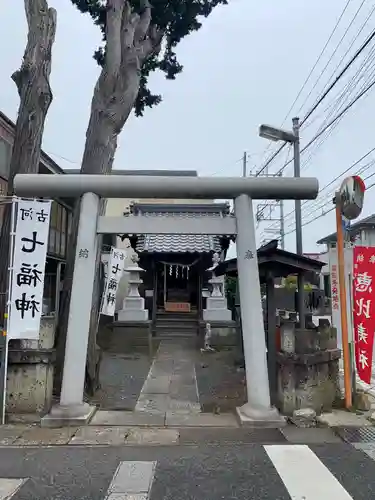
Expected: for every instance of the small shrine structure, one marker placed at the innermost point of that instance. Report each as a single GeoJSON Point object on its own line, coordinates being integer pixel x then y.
{"type": "Point", "coordinates": [176, 277]}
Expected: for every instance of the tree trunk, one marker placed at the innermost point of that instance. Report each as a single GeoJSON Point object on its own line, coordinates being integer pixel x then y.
{"type": "Point", "coordinates": [32, 81]}
{"type": "Point", "coordinates": [130, 40]}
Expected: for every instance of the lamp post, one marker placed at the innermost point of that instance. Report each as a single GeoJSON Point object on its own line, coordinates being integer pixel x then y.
{"type": "Point", "coordinates": [292, 137]}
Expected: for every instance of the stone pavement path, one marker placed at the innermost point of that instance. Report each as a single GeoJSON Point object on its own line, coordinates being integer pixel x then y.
{"type": "Point", "coordinates": [171, 385]}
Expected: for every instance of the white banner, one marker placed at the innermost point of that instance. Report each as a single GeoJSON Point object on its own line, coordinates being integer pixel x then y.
{"type": "Point", "coordinates": [115, 270]}
{"type": "Point", "coordinates": [335, 296]}
{"type": "Point", "coordinates": [28, 268]}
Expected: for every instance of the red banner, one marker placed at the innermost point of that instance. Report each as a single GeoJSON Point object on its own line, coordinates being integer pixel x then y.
{"type": "Point", "coordinates": [364, 309]}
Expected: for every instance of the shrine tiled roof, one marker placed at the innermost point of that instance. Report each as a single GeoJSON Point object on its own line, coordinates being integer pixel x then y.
{"type": "Point", "coordinates": [181, 243]}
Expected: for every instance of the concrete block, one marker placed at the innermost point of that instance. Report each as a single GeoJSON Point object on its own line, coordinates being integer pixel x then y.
{"type": "Point", "coordinates": [312, 435]}
{"type": "Point", "coordinates": [174, 419]}
{"type": "Point", "coordinates": [65, 416]}
{"type": "Point", "coordinates": [29, 387]}
{"type": "Point", "coordinates": [36, 436]}
{"type": "Point", "coordinates": [127, 418]}
{"type": "Point", "coordinates": [110, 436]}
{"type": "Point", "coordinates": [10, 433]}
{"type": "Point", "coordinates": [342, 418]}
{"type": "Point", "coordinates": [139, 436]}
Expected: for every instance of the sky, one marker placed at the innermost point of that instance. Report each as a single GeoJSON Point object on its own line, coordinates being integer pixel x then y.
{"type": "Point", "coordinates": [245, 67]}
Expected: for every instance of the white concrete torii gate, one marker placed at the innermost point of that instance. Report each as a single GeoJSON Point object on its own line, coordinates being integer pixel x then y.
{"type": "Point", "coordinates": [258, 408]}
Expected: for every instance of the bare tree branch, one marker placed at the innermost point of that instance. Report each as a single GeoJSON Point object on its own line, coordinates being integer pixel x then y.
{"type": "Point", "coordinates": [115, 9]}
{"type": "Point", "coordinates": [152, 44]}
{"type": "Point", "coordinates": [41, 22]}
{"type": "Point", "coordinates": [144, 22]}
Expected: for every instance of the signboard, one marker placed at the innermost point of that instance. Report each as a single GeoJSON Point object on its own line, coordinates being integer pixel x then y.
{"type": "Point", "coordinates": [114, 273]}
{"type": "Point", "coordinates": [364, 309]}
{"type": "Point", "coordinates": [351, 193]}
{"type": "Point", "coordinates": [28, 267]}
{"type": "Point", "coordinates": [335, 283]}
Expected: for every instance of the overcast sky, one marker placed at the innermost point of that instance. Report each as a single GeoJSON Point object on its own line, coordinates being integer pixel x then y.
{"type": "Point", "coordinates": [245, 67]}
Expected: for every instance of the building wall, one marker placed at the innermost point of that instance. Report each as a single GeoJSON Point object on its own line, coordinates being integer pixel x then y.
{"type": "Point", "coordinates": [117, 207]}
{"type": "Point", "coordinates": [61, 217]}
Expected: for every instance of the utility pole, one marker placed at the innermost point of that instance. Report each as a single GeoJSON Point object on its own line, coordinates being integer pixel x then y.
{"type": "Point", "coordinates": [276, 134]}
{"type": "Point", "coordinates": [298, 211]}
{"type": "Point", "coordinates": [244, 164]}
{"type": "Point", "coordinates": [282, 226]}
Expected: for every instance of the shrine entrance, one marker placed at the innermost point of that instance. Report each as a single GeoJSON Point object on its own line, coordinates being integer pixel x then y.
{"type": "Point", "coordinates": [179, 287]}
{"type": "Point", "coordinates": [90, 188]}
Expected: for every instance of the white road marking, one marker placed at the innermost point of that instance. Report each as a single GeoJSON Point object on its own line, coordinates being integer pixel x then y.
{"type": "Point", "coordinates": [132, 481]}
{"type": "Point", "coordinates": [304, 475]}
{"type": "Point", "coordinates": [8, 487]}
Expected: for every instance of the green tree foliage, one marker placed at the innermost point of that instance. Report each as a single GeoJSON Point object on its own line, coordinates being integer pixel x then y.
{"type": "Point", "coordinates": [176, 18]}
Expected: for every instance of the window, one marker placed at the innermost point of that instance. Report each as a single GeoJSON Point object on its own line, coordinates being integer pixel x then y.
{"type": "Point", "coordinates": [5, 154]}
{"type": "Point", "coordinates": [3, 192]}
{"type": "Point", "coordinates": [58, 230]}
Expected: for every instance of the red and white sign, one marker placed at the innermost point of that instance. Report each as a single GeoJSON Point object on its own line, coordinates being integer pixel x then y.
{"type": "Point", "coordinates": [364, 309]}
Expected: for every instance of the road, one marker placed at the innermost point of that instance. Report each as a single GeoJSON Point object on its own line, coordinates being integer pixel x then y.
{"type": "Point", "coordinates": [194, 472]}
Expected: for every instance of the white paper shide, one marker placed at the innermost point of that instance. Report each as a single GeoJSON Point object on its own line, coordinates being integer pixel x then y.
{"type": "Point", "coordinates": [27, 277]}
{"type": "Point", "coordinates": [115, 270]}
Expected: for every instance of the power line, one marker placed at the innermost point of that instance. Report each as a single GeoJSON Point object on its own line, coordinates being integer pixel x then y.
{"type": "Point", "coordinates": [337, 117]}
{"type": "Point", "coordinates": [326, 186]}
{"type": "Point", "coordinates": [332, 55]}
{"type": "Point", "coordinates": [332, 208]}
{"type": "Point", "coordinates": [305, 83]}
{"type": "Point", "coordinates": [318, 59]}
{"type": "Point", "coordinates": [339, 76]}
{"type": "Point", "coordinates": [331, 86]}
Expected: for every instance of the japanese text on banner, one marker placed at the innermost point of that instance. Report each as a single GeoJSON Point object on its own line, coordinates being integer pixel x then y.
{"type": "Point", "coordinates": [28, 267]}
{"type": "Point", "coordinates": [364, 309]}
{"type": "Point", "coordinates": [114, 273]}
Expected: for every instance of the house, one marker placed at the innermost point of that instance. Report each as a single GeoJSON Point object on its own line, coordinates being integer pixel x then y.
{"type": "Point", "coordinates": [61, 216]}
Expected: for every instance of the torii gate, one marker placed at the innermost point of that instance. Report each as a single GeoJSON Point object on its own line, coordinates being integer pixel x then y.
{"type": "Point", "coordinates": [72, 409]}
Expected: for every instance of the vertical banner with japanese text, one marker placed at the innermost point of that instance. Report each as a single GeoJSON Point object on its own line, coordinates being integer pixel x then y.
{"type": "Point", "coordinates": [364, 309]}
{"type": "Point", "coordinates": [114, 273]}
{"type": "Point", "coordinates": [28, 269]}
{"type": "Point", "coordinates": [335, 295]}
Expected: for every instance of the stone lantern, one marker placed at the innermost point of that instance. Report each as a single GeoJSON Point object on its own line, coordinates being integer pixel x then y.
{"type": "Point", "coordinates": [216, 307]}
{"type": "Point", "coordinates": [134, 305]}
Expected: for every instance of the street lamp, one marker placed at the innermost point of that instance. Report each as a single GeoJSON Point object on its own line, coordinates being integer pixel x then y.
{"type": "Point", "coordinates": [292, 137]}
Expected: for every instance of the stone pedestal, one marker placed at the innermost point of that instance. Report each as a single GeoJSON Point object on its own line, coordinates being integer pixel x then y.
{"type": "Point", "coordinates": [30, 374]}
{"type": "Point", "coordinates": [308, 368]}
{"type": "Point", "coordinates": [134, 305]}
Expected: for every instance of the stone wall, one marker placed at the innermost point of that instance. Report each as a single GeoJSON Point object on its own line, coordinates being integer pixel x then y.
{"type": "Point", "coordinates": [122, 337]}
{"type": "Point", "coordinates": [30, 373]}
{"type": "Point", "coordinates": [308, 368]}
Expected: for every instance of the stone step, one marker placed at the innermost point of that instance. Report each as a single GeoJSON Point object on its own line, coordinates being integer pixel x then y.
{"type": "Point", "coordinates": [184, 319]}
{"type": "Point", "coordinates": [177, 316]}
{"type": "Point", "coordinates": [176, 326]}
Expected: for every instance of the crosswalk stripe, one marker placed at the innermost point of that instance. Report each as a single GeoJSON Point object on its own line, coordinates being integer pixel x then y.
{"type": "Point", "coordinates": [132, 480]}
{"type": "Point", "coordinates": [304, 475]}
{"type": "Point", "coordinates": [8, 487]}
